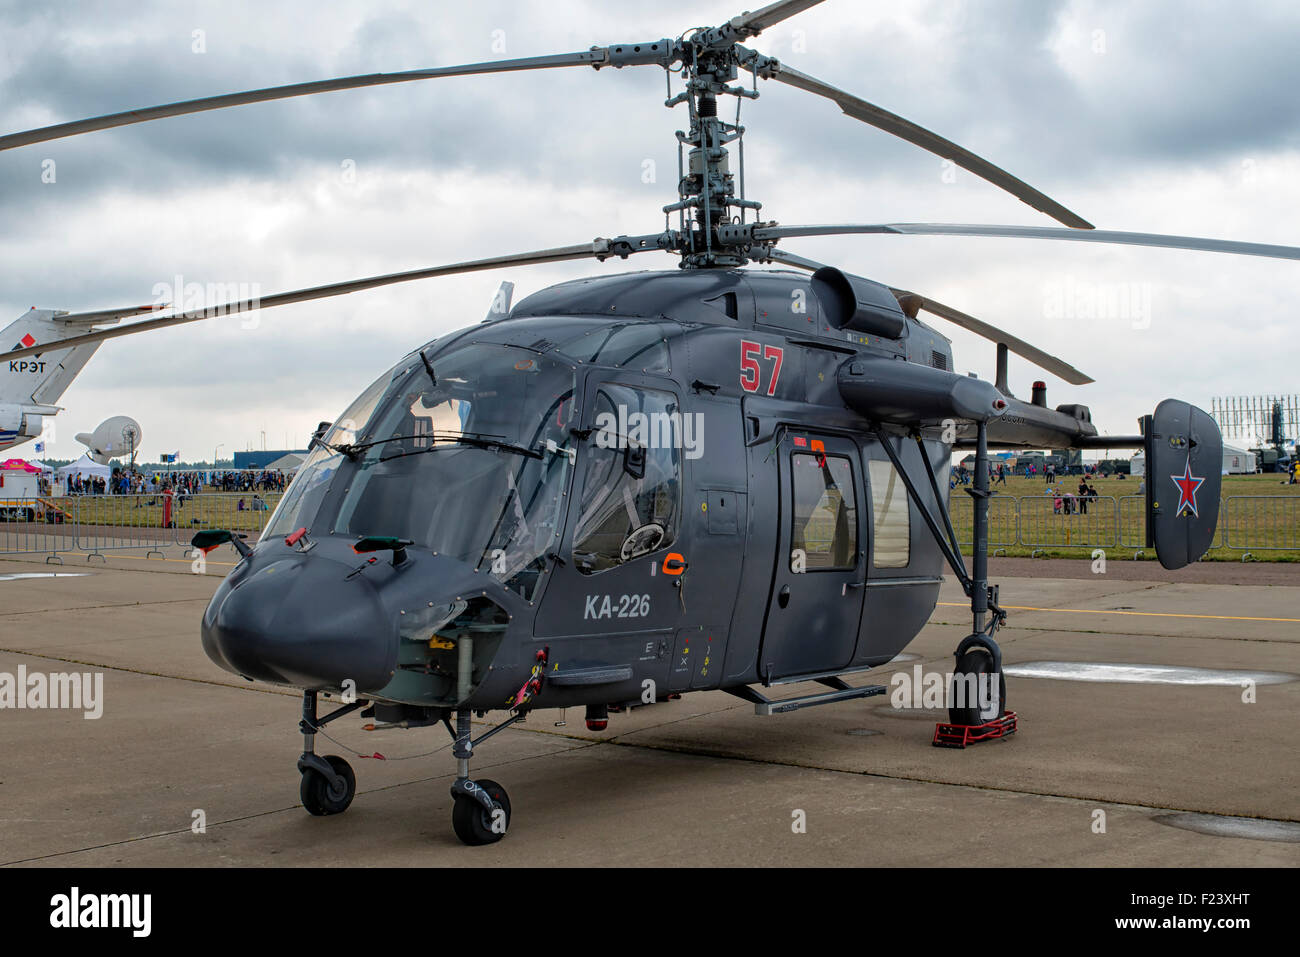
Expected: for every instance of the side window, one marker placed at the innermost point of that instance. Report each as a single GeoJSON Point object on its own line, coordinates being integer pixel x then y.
{"type": "Point", "coordinates": [631, 486]}
{"type": "Point", "coordinates": [891, 525]}
{"type": "Point", "coordinates": [825, 512]}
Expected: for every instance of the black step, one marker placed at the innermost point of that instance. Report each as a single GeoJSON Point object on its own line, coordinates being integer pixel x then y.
{"type": "Point", "coordinates": [840, 691]}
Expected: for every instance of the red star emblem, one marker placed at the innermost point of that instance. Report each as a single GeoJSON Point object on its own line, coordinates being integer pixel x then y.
{"type": "Point", "coordinates": [1187, 485]}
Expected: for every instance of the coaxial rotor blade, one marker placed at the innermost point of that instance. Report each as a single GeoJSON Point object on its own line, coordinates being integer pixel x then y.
{"type": "Point", "coordinates": [882, 119]}
{"type": "Point", "coordinates": [598, 249]}
{"type": "Point", "coordinates": [627, 54]}
{"type": "Point", "coordinates": [781, 256]}
{"type": "Point", "coordinates": [1044, 360]}
{"type": "Point", "coordinates": [1157, 240]}
{"type": "Point", "coordinates": [752, 24]}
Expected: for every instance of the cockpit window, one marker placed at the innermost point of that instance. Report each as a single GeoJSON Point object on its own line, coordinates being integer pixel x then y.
{"type": "Point", "coordinates": [636, 345]}
{"type": "Point", "coordinates": [303, 497]}
{"type": "Point", "coordinates": [468, 457]}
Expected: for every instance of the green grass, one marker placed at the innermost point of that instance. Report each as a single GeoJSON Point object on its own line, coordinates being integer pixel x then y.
{"type": "Point", "coordinates": [1259, 514]}
{"type": "Point", "coordinates": [206, 510]}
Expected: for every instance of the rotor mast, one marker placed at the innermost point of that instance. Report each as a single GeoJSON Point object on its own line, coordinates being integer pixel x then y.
{"type": "Point", "coordinates": [706, 186]}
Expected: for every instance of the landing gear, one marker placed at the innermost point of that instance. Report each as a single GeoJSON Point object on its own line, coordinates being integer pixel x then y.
{"type": "Point", "coordinates": [974, 698]}
{"type": "Point", "coordinates": [328, 784]}
{"type": "Point", "coordinates": [480, 809]}
{"type": "Point", "coordinates": [473, 823]}
{"type": "Point", "coordinates": [320, 795]}
{"type": "Point", "coordinates": [480, 812]}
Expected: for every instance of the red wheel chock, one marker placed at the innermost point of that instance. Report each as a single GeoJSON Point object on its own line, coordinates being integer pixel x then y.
{"type": "Point", "coordinates": [960, 735]}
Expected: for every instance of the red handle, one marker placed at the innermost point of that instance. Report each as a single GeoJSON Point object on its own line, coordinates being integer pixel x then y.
{"type": "Point", "coordinates": [296, 537]}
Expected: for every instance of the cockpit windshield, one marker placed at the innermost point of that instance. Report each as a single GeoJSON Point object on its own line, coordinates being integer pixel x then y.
{"type": "Point", "coordinates": [466, 454]}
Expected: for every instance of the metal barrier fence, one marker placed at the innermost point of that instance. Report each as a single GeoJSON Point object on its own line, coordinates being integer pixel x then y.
{"type": "Point", "coordinates": [35, 526]}
{"type": "Point", "coordinates": [1133, 522]}
{"type": "Point", "coordinates": [1004, 522]}
{"type": "Point", "coordinates": [1063, 522]}
{"type": "Point", "coordinates": [96, 524]}
{"type": "Point", "coordinates": [1260, 522]}
{"type": "Point", "coordinates": [1247, 523]}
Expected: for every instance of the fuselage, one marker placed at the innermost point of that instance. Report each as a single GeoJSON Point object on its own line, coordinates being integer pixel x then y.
{"type": "Point", "coordinates": [656, 477]}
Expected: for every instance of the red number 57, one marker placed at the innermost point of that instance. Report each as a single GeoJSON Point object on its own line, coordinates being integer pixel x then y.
{"type": "Point", "coordinates": [751, 373]}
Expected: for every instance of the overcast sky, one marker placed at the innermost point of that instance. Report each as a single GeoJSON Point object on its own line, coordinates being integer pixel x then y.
{"type": "Point", "coordinates": [1161, 116]}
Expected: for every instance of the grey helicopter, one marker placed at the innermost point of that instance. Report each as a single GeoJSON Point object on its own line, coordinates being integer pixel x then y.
{"type": "Point", "coordinates": [630, 487]}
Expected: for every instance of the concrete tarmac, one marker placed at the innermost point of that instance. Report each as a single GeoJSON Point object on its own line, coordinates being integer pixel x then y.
{"type": "Point", "coordinates": [698, 781]}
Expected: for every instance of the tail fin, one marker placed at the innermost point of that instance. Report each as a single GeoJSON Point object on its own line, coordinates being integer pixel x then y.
{"type": "Point", "coordinates": [41, 379]}
{"type": "Point", "coordinates": [1184, 459]}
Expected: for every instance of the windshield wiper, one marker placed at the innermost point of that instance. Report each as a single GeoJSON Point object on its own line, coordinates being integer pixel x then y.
{"type": "Point", "coordinates": [349, 452]}
{"type": "Point", "coordinates": [428, 367]}
{"type": "Point", "coordinates": [362, 446]}
{"type": "Point", "coordinates": [460, 438]}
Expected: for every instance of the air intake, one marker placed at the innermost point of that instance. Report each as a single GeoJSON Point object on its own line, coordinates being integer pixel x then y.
{"type": "Point", "coordinates": [857, 304]}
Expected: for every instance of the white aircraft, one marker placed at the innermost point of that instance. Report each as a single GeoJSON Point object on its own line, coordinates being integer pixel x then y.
{"type": "Point", "coordinates": [31, 385]}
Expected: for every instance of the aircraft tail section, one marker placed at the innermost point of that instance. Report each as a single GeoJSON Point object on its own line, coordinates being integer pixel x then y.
{"type": "Point", "coordinates": [41, 379]}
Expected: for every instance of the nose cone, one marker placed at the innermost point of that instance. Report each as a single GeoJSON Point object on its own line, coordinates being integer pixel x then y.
{"type": "Point", "coordinates": [301, 621]}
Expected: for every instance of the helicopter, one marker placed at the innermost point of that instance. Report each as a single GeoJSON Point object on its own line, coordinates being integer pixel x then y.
{"type": "Point", "coordinates": [629, 487]}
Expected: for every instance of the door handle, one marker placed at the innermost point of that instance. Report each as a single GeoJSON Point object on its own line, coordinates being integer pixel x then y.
{"type": "Point", "coordinates": [847, 585]}
{"type": "Point", "coordinates": [783, 596]}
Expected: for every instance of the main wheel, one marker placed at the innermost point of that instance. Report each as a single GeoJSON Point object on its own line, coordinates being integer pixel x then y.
{"type": "Point", "coordinates": [319, 798]}
{"type": "Point", "coordinates": [474, 824]}
{"type": "Point", "coordinates": [979, 662]}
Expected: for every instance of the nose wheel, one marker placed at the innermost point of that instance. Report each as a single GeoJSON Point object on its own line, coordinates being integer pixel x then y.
{"type": "Point", "coordinates": [478, 822]}
{"type": "Point", "coordinates": [328, 784]}
{"type": "Point", "coordinates": [480, 812]}
{"type": "Point", "coordinates": [322, 794]}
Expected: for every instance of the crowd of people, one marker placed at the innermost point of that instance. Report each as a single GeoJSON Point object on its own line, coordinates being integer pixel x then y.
{"type": "Point", "coordinates": [249, 480]}
{"type": "Point", "coordinates": [130, 481]}
{"type": "Point", "coordinates": [1064, 502]}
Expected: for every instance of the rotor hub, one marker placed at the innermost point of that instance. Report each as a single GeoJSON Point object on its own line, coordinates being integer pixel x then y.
{"type": "Point", "coordinates": [710, 195]}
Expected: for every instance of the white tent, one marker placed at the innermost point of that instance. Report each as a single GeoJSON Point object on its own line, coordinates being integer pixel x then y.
{"type": "Point", "coordinates": [87, 467]}
{"type": "Point", "coordinates": [1235, 462]}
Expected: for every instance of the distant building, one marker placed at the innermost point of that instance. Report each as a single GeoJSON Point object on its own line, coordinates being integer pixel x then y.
{"type": "Point", "coordinates": [288, 463]}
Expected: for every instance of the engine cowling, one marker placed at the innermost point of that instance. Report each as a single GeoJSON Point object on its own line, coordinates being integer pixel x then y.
{"type": "Point", "coordinates": [15, 419]}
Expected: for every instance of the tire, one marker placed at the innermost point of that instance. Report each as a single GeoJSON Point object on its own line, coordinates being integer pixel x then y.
{"type": "Point", "coordinates": [315, 791]}
{"type": "Point", "coordinates": [473, 823]}
{"type": "Point", "coordinates": [977, 661]}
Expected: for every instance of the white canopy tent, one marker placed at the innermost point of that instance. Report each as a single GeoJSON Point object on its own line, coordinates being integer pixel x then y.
{"type": "Point", "coordinates": [87, 467]}
{"type": "Point", "coordinates": [1235, 462]}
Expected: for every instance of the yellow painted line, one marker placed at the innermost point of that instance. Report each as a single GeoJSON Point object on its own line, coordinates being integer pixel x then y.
{"type": "Point", "coordinates": [183, 561]}
{"type": "Point", "coordinates": [1142, 614]}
